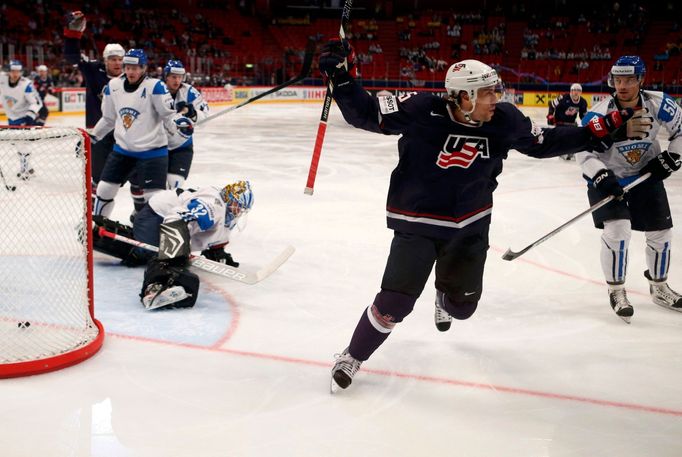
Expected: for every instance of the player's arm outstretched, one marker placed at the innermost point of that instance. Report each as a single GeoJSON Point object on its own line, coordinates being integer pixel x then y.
{"type": "Point", "coordinates": [595, 136]}
{"type": "Point", "coordinates": [173, 121]}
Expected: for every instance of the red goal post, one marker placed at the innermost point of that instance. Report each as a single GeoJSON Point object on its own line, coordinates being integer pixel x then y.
{"type": "Point", "coordinates": [47, 319]}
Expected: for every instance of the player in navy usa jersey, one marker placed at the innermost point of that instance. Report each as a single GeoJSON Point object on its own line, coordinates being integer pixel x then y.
{"type": "Point", "coordinates": [440, 195]}
{"type": "Point", "coordinates": [564, 109]}
{"type": "Point", "coordinates": [645, 208]}
{"type": "Point", "coordinates": [96, 76]}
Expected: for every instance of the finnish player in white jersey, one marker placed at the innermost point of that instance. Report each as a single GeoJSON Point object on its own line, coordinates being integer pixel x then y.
{"type": "Point", "coordinates": [645, 207]}
{"type": "Point", "coordinates": [22, 104]}
{"type": "Point", "coordinates": [190, 103]}
{"type": "Point", "coordinates": [141, 113]}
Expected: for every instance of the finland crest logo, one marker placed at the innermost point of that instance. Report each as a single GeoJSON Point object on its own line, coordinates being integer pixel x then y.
{"type": "Point", "coordinates": [461, 151]}
{"type": "Point", "coordinates": [633, 152]}
{"type": "Point", "coordinates": [128, 116]}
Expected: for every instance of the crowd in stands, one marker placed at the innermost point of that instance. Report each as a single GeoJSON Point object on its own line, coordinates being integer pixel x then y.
{"type": "Point", "coordinates": [218, 38]}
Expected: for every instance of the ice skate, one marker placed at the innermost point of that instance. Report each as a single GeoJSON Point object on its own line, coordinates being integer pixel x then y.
{"type": "Point", "coordinates": [343, 371]}
{"type": "Point", "coordinates": [25, 175]}
{"type": "Point", "coordinates": [620, 303]}
{"type": "Point", "coordinates": [441, 317]}
{"type": "Point", "coordinates": [663, 295]}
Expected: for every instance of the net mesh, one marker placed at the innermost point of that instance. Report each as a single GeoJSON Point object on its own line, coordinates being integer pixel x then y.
{"type": "Point", "coordinates": [44, 263]}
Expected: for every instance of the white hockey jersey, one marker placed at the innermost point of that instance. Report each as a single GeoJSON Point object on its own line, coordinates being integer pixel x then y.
{"type": "Point", "coordinates": [203, 210]}
{"type": "Point", "coordinates": [141, 119]}
{"type": "Point", "coordinates": [19, 100]}
{"type": "Point", "coordinates": [626, 158]}
{"type": "Point", "coordinates": [188, 94]}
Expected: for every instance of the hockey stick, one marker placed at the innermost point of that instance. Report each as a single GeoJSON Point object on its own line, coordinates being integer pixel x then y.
{"type": "Point", "coordinates": [511, 255]}
{"type": "Point", "coordinates": [322, 127]}
{"type": "Point", "coordinates": [4, 182]}
{"type": "Point", "coordinates": [210, 266]}
{"type": "Point", "coordinates": [305, 70]}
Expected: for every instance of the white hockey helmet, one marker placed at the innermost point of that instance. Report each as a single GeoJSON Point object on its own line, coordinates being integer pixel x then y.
{"type": "Point", "coordinates": [41, 68]}
{"type": "Point", "coordinates": [113, 49]}
{"type": "Point", "coordinates": [469, 76]}
{"type": "Point", "coordinates": [576, 86]}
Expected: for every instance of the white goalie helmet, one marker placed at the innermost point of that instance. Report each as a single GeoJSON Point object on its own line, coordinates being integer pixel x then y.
{"type": "Point", "coordinates": [469, 76]}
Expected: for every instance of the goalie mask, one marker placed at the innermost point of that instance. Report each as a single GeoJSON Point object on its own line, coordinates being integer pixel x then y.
{"type": "Point", "coordinates": [238, 198]}
{"type": "Point", "coordinates": [470, 76]}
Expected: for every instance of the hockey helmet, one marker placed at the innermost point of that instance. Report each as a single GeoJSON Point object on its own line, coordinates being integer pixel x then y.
{"type": "Point", "coordinates": [41, 68]}
{"type": "Point", "coordinates": [173, 67]}
{"type": "Point", "coordinates": [469, 76]}
{"type": "Point", "coordinates": [627, 66]}
{"type": "Point", "coordinates": [113, 49]}
{"type": "Point", "coordinates": [576, 86]}
{"type": "Point", "coordinates": [135, 57]}
{"type": "Point", "coordinates": [15, 65]}
{"type": "Point", "coordinates": [238, 197]}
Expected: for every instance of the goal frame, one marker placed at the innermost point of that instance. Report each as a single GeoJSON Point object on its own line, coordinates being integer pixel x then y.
{"type": "Point", "coordinates": [73, 357]}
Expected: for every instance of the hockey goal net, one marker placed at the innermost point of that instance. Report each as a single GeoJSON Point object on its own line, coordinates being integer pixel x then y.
{"type": "Point", "coordinates": [46, 288]}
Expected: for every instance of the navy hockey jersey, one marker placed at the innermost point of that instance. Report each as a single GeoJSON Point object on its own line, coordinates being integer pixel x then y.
{"type": "Point", "coordinates": [94, 76]}
{"type": "Point", "coordinates": [565, 110]}
{"type": "Point", "coordinates": [446, 173]}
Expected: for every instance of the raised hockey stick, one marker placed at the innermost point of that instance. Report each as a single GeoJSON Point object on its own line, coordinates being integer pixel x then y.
{"type": "Point", "coordinates": [322, 127]}
{"type": "Point", "coordinates": [305, 71]}
{"type": "Point", "coordinates": [511, 255]}
{"type": "Point", "coordinates": [210, 266]}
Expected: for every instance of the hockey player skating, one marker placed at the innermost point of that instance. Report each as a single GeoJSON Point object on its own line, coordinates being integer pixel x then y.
{"type": "Point", "coordinates": [564, 109]}
{"type": "Point", "coordinates": [96, 75]}
{"type": "Point", "coordinates": [645, 208]}
{"type": "Point", "coordinates": [44, 85]}
{"type": "Point", "coordinates": [440, 195]}
{"type": "Point", "coordinates": [22, 105]}
{"type": "Point", "coordinates": [139, 110]}
{"type": "Point", "coordinates": [179, 222]}
{"type": "Point", "coordinates": [189, 102]}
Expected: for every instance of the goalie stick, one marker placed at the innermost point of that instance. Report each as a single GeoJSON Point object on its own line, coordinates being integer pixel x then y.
{"type": "Point", "coordinates": [322, 126]}
{"type": "Point", "coordinates": [202, 263]}
{"type": "Point", "coordinates": [305, 70]}
{"type": "Point", "coordinates": [511, 255]}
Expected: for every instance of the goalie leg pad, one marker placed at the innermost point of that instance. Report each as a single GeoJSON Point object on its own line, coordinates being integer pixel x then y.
{"type": "Point", "coordinates": [160, 277]}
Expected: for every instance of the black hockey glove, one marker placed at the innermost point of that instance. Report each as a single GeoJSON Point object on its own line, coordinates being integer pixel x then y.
{"type": "Point", "coordinates": [662, 166]}
{"type": "Point", "coordinates": [219, 255]}
{"type": "Point", "coordinates": [337, 59]}
{"type": "Point", "coordinates": [74, 24]}
{"type": "Point", "coordinates": [607, 183]}
{"type": "Point", "coordinates": [186, 109]}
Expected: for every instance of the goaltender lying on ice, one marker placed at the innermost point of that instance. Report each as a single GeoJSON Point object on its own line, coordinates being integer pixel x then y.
{"type": "Point", "coordinates": [179, 222]}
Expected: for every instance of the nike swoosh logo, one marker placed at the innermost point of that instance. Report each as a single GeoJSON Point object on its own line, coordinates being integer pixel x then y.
{"type": "Point", "coordinates": [436, 114]}
{"type": "Point", "coordinates": [147, 181]}
{"type": "Point", "coordinates": [466, 294]}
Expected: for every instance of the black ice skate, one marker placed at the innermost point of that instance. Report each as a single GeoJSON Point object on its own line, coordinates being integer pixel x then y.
{"type": "Point", "coordinates": [662, 294]}
{"type": "Point", "coordinates": [344, 370]}
{"type": "Point", "coordinates": [620, 303]}
{"type": "Point", "coordinates": [441, 317]}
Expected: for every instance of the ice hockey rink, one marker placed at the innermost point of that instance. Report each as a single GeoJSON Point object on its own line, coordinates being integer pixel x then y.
{"type": "Point", "coordinates": [544, 368]}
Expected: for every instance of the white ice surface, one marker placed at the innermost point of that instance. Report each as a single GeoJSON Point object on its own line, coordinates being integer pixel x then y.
{"type": "Point", "coordinates": [543, 369]}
